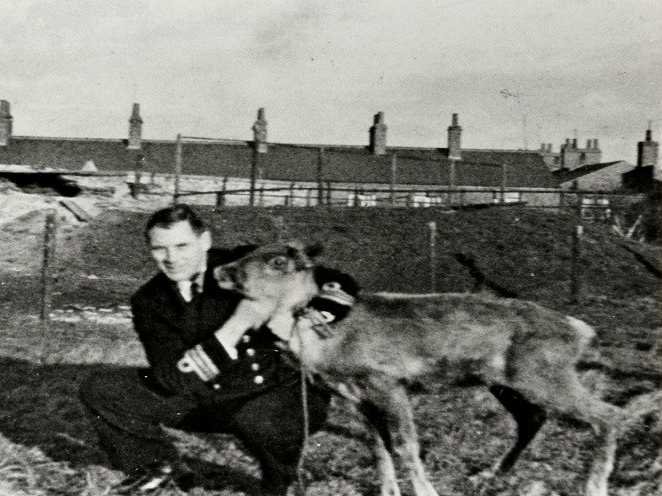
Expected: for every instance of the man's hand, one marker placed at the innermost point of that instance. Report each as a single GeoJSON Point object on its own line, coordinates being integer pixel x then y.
{"type": "Point", "coordinates": [248, 315]}
{"type": "Point", "coordinates": [196, 360]}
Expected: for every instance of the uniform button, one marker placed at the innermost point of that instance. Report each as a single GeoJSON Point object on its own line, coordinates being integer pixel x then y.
{"type": "Point", "coordinates": [255, 367]}
{"type": "Point", "coordinates": [258, 379]}
{"type": "Point", "coordinates": [245, 338]}
{"type": "Point", "coordinates": [250, 352]}
{"type": "Point", "coordinates": [216, 386]}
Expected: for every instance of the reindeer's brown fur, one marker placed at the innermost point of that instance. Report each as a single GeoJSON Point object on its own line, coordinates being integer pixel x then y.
{"type": "Point", "coordinates": [525, 353]}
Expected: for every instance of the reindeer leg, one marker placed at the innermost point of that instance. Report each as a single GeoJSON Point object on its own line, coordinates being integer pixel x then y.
{"type": "Point", "coordinates": [377, 423]}
{"type": "Point", "coordinates": [607, 421]}
{"type": "Point", "coordinates": [567, 395]}
{"type": "Point", "coordinates": [529, 418]}
{"type": "Point", "coordinates": [399, 409]}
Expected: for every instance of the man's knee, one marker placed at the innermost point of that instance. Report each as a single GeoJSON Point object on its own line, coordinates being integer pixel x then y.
{"type": "Point", "coordinates": [276, 420]}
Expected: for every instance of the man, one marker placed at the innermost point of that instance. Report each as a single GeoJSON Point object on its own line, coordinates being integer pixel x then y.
{"type": "Point", "coordinates": [201, 377]}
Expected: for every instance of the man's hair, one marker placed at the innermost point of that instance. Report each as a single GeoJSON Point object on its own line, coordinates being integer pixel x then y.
{"type": "Point", "coordinates": [168, 216]}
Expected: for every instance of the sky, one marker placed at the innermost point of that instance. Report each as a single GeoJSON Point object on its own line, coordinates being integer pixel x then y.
{"type": "Point", "coordinates": [518, 72]}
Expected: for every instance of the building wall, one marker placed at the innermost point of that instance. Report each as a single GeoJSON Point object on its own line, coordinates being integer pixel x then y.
{"type": "Point", "coordinates": [606, 179]}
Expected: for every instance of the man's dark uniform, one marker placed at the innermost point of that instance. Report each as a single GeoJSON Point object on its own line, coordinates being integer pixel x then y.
{"type": "Point", "coordinates": [256, 396]}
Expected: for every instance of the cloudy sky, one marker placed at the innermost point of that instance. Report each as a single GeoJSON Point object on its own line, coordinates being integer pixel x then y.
{"type": "Point", "coordinates": [518, 72]}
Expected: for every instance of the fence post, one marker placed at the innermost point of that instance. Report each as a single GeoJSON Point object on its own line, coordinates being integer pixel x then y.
{"type": "Point", "coordinates": [320, 172]}
{"type": "Point", "coordinates": [394, 176]}
{"type": "Point", "coordinates": [220, 195]}
{"type": "Point", "coordinates": [279, 227]}
{"type": "Point", "coordinates": [576, 276]}
{"type": "Point", "coordinates": [137, 176]}
{"type": "Point", "coordinates": [261, 196]}
{"type": "Point", "coordinates": [50, 232]}
{"type": "Point", "coordinates": [320, 194]}
{"type": "Point", "coordinates": [254, 165]}
{"type": "Point", "coordinates": [328, 194]}
{"type": "Point", "coordinates": [433, 255]}
{"type": "Point", "coordinates": [503, 183]}
{"type": "Point", "coordinates": [292, 194]}
{"type": "Point", "coordinates": [178, 168]}
{"type": "Point", "coordinates": [309, 193]}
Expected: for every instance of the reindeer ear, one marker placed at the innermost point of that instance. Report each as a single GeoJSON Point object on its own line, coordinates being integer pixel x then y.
{"type": "Point", "coordinates": [314, 250]}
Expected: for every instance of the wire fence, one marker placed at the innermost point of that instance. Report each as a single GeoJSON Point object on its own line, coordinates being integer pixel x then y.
{"type": "Point", "coordinates": [590, 206]}
{"type": "Point", "coordinates": [584, 207]}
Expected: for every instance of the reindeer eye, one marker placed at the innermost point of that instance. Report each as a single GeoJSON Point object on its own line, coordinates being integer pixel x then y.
{"type": "Point", "coordinates": [331, 286]}
{"type": "Point", "coordinates": [279, 263]}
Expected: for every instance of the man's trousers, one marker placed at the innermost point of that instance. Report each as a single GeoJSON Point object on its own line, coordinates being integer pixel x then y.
{"type": "Point", "coordinates": [128, 415]}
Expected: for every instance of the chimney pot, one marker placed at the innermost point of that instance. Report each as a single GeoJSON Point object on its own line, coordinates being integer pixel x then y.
{"type": "Point", "coordinates": [5, 123]}
{"type": "Point", "coordinates": [260, 132]}
{"type": "Point", "coordinates": [135, 113]}
{"type": "Point", "coordinates": [378, 134]}
{"type": "Point", "coordinates": [455, 138]}
{"type": "Point", "coordinates": [135, 128]}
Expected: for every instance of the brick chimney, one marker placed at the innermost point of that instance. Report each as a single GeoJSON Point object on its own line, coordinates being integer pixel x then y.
{"type": "Point", "coordinates": [455, 139]}
{"type": "Point", "coordinates": [135, 128]}
{"type": "Point", "coordinates": [260, 132]}
{"type": "Point", "coordinates": [378, 135]}
{"type": "Point", "coordinates": [647, 150]}
{"type": "Point", "coordinates": [5, 123]}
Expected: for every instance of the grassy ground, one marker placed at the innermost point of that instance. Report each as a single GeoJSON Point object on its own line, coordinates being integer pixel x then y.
{"type": "Point", "coordinates": [47, 446]}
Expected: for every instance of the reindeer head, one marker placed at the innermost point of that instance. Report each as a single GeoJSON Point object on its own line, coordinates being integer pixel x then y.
{"type": "Point", "coordinates": [279, 276]}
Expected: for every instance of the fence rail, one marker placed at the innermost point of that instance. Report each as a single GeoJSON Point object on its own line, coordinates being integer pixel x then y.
{"type": "Point", "coordinates": [596, 204]}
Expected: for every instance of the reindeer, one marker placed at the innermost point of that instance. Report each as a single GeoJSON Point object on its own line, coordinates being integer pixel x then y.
{"type": "Point", "coordinates": [524, 353]}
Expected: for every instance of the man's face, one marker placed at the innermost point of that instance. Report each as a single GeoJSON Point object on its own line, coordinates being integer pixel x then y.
{"type": "Point", "coordinates": [178, 251]}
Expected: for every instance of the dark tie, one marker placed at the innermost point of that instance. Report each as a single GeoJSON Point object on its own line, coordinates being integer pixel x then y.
{"type": "Point", "coordinates": [196, 284]}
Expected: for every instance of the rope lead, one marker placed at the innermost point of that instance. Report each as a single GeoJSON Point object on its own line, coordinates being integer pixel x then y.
{"type": "Point", "coordinates": [301, 484]}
